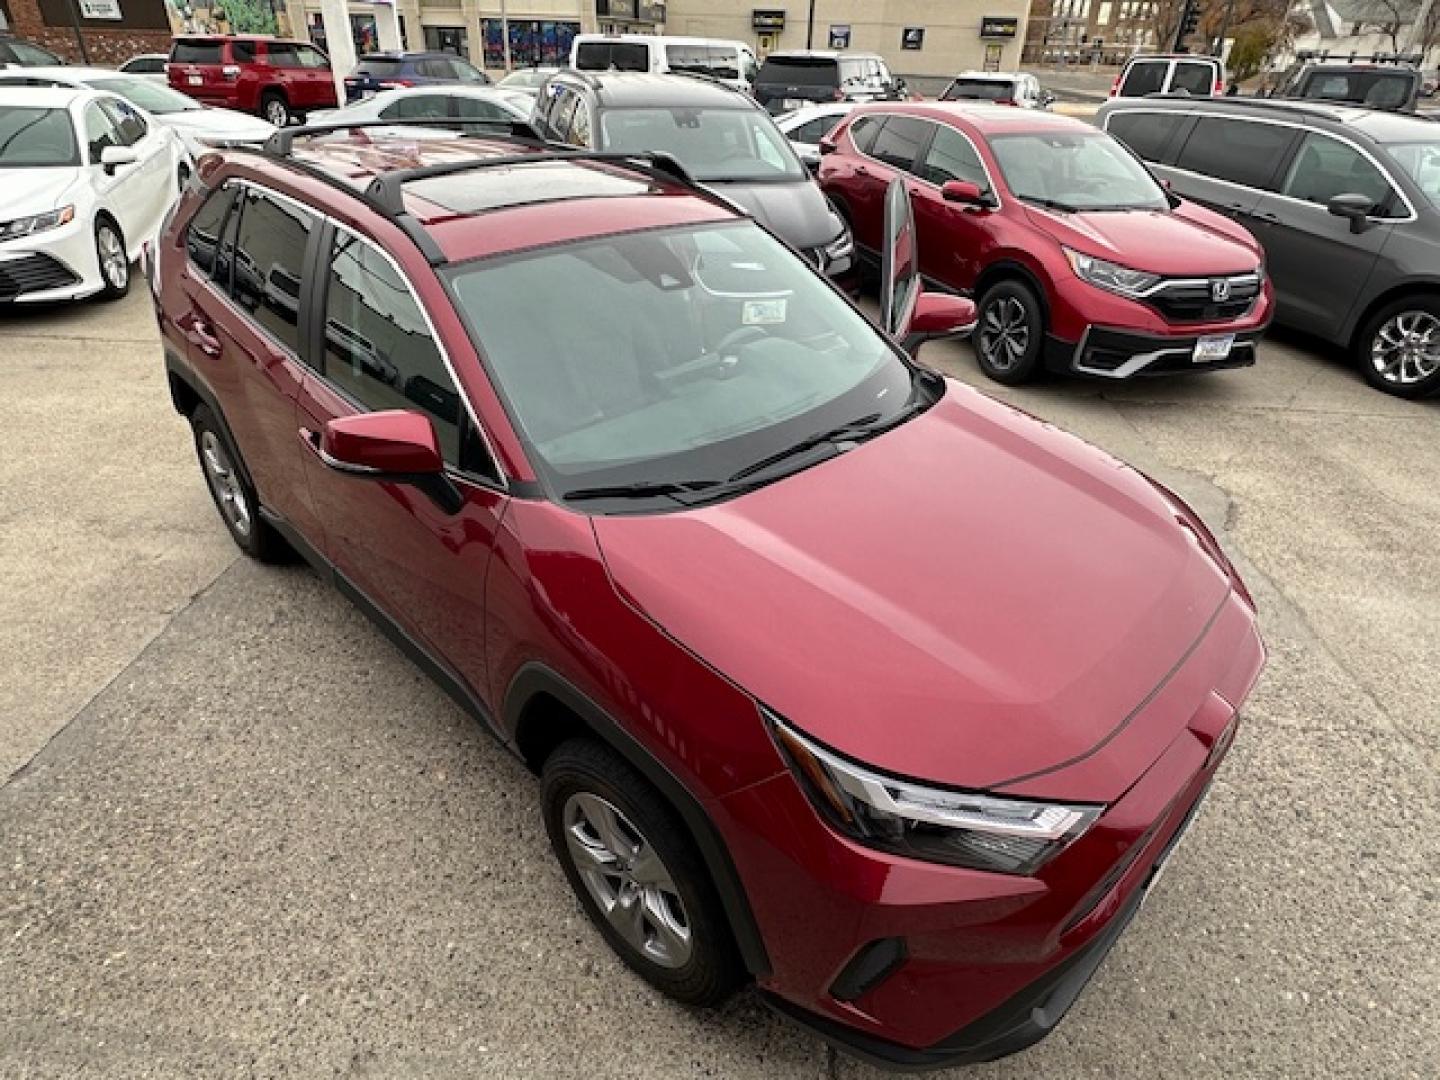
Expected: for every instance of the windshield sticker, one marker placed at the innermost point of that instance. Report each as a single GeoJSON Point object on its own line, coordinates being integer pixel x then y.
{"type": "Point", "coordinates": [763, 312]}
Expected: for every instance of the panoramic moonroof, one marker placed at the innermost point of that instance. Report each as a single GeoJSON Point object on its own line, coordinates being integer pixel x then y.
{"type": "Point", "coordinates": [518, 185]}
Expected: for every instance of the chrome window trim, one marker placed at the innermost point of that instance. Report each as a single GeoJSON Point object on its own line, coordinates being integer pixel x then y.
{"type": "Point", "coordinates": [500, 479]}
{"type": "Point", "coordinates": [1389, 177]}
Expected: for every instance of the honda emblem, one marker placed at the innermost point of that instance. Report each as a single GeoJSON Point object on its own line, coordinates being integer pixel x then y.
{"type": "Point", "coordinates": [1220, 290]}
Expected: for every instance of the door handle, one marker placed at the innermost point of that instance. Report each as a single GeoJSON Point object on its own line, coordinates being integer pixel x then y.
{"type": "Point", "coordinates": [311, 440]}
{"type": "Point", "coordinates": [199, 334]}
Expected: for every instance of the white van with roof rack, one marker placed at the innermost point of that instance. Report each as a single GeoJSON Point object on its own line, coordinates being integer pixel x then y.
{"type": "Point", "coordinates": [730, 62]}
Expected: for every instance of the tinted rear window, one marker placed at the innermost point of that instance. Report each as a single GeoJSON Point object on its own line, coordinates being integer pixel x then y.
{"type": "Point", "coordinates": [1148, 134]}
{"type": "Point", "coordinates": [1373, 89]}
{"type": "Point", "coordinates": [1195, 79]}
{"type": "Point", "coordinates": [800, 71]}
{"type": "Point", "coordinates": [982, 89]}
{"type": "Point", "coordinates": [196, 52]}
{"type": "Point", "coordinates": [621, 55]}
{"type": "Point", "coordinates": [1240, 151]}
{"type": "Point", "coordinates": [1146, 77]}
{"type": "Point", "coordinates": [380, 68]}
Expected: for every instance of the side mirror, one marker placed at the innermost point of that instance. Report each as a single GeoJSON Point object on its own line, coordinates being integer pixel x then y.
{"type": "Point", "coordinates": [112, 157]}
{"type": "Point", "coordinates": [964, 193]}
{"type": "Point", "coordinates": [397, 445]}
{"type": "Point", "coordinates": [828, 145]}
{"type": "Point", "coordinates": [1046, 99]}
{"type": "Point", "coordinates": [938, 315]}
{"type": "Point", "coordinates": [1357, 208]}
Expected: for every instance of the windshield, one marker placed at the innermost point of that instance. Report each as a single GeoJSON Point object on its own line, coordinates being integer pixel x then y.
{"type": "Point", "coordinates": [36, 137]}
{"type": "Point", "coordinates": [147, 95]}
{"type": "Point", "coordinates": [1075, 170]}
{"type": "Point", "coordinates": [1421, 162]}
{"type": "Point", "coordinates": [713, 144]}
{"type": "Point", "coordinates": [982, 89]}
{"type": "Point", "coordinates": [673, 356]}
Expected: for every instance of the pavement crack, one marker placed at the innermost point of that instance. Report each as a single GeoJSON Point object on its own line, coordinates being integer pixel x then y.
{"type": "Point", "coordinates": [199, 594]}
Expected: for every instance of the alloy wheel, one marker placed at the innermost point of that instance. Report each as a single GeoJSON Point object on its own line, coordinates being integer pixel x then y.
{"type": "Point", "coordinates": [1406, 350]}
{"type": "Point", "coordinates": [628, 880]}
{"type": "Point", "coordinates": [113, 263]}
{"type": "Point", "coordinates": [277, 112]}
{"type": "Point", "coordinates": [225, 484]}
{"type": "Point", "coordinates": [1004, 333]}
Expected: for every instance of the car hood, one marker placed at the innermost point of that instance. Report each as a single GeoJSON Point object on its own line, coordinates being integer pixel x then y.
{"type": "Point", "coordinates": [968, 599]}
{"type": "Point", "coordinates": [1158, 241]}
{"type": "Point", "coordinates": [797, 211]}
{"type": "Point", "coordinates": [34, 191]}
{"type": "Point", "coordinates": [220, 124]}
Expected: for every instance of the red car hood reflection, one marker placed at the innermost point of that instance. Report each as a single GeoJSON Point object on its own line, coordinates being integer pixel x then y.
{"type": "Point", "coordinates": [1172, 243]}
{"type": "Point", "coordinates": [972, 597]}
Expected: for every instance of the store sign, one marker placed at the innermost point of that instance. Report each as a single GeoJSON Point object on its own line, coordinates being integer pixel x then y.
{"type": "Point", "coordinates": [999, 26]}
{"type": "Point", "coordinates": [912, 37]}
{"type": "Point", "coordinates": [767, 20]}
{"type": "Point", "coordinates": [840, 37]}
{"type": "Point", "coordinates": [100, 9]}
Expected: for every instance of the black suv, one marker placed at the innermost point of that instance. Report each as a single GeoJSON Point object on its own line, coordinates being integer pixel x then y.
{"type": "Point", "coordinates": [1345, 201]}
{"type": "Point", "coordinates": [720, 136]}
{"type": "Point", "coordinates": [1382, 81]}
{"type": "Point", "coordinates": [790, 80]}
{"type": "Point", "coordinates": [386, 71]}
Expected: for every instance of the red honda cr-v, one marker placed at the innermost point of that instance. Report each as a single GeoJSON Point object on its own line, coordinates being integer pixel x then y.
{"type": "Point", "coordinates": [651, 499]}
{"type": "Point", "coordinates": [1078, 258]}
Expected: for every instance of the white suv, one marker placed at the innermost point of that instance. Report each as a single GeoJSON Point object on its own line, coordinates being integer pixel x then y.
{"type": "Point", "coordinates": [1198, 76]}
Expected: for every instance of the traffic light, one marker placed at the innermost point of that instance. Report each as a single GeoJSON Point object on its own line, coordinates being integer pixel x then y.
{"type": "Point", "coordinates": [1189, 21]}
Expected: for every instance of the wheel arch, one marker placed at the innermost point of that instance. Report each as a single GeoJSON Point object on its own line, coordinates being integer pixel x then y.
{"type": "Point", "coordinates": [188, 393]}
{"type": "Point", "coordinates": [543, 709]}
{"type": "Point", "coordinates": [1012, 269]}
{"type": "Point", "coordinates": [1428, 289]}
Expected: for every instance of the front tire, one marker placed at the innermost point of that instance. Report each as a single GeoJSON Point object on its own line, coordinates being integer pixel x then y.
{"type": "Point", "coordinates": [1399, 349]}
{"type": "Point", "coordinates": [112, 258]}
{"type": "Point", "coordinates": [1009, 332]}
{"type": "Point", "coordinates": [636, 874]}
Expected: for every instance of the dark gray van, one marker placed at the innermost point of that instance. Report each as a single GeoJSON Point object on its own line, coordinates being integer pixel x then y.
{"type": "Point", "coordinates": [1345, 201]}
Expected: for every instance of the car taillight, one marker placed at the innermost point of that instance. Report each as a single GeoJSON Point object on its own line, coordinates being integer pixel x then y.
{"type": "Point", "coordinates": [1115, 87]}
{"type": "Point", "coordinates": [1219, 87]}
{"type": "Point", "coordinates": [231, 71]}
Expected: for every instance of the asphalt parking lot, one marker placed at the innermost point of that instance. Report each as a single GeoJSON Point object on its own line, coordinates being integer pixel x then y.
{"type": "Point", "coordinates": [241, 835]}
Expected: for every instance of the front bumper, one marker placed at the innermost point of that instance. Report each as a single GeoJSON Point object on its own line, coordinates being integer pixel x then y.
{"type": "Point", "coordinates": [58, 264]}
{"type": "Point", "coordinates": [1108, 353]}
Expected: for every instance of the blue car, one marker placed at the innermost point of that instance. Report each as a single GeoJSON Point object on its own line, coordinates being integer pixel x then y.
{"type": "Point", "coordinates": [390, 70]}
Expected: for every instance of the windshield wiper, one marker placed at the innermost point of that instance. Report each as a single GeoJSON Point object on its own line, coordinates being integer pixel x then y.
{"type": "Point", "coordinates": [1050, 204]}
{"type": "Point", "coordinates": [852, 429]}
{"type": "Point", "coordinates": [641, 489]}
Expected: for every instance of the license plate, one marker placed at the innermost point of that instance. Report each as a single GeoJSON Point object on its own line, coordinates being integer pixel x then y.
{"type": "Point", "coordinates": [1216, 347]}
{"type": "Point", "coordinates": [791, 103]}
{"type": "Point", "coordinates": [195, 80]}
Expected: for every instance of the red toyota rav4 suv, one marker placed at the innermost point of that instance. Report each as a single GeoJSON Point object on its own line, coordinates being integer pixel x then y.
{"type": "Point", "coordinates": [1078, 258]}
{"type": "Point", "coordinates": [774, 612]}
{"type": "Point", "coordinates": [278, 79]}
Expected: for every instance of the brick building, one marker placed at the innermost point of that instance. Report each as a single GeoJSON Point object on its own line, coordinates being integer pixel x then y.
{"type": "Point", "coordinates": [114, 30]}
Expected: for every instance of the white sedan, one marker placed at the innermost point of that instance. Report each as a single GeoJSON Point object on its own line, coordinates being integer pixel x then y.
{"type": "Point", "coordinates": [443, 102]}
{"type": "Point", "coordinates": [87, 179]}
{"type": "Point", "coordinates": [199, 128]}
{"type": "Point", "coordinates": [806, 127]}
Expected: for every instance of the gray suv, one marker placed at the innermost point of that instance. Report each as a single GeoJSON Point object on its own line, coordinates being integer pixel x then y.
{"type": "Point", "coordinates": [1345, 201]}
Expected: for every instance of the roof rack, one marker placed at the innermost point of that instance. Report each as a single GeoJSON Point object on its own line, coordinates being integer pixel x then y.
{"type": "Point", "coordinates": [1326, 56]}
{"type": "Point", "coordinates": [385, 191]}
{"type": "Point", "coordinates": [282, 142]}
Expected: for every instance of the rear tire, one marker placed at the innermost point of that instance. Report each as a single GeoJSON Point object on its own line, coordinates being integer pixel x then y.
{"type": "Point", "coordinates": [275, 108]}
{"type": "Point", "coordinates": [1399, 348]}
{"type": "Point", "coordinates": [636, 874]}
{"type": "Point", "coordinates": [1009, 332]}
{"type": "Point", "coordinates": [235, 499]}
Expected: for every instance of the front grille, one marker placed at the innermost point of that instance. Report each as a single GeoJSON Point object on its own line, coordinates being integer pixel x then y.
{"type": "Point", "coordinates": [33, 273]}
{"type": "Point", "coordinates": [1193, 299]}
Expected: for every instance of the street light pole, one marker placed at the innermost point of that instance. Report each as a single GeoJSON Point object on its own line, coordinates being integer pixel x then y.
{"type": "Point", "coordinates": [809, 27]}
{"type": "Point", "coordinates": [79, 35]}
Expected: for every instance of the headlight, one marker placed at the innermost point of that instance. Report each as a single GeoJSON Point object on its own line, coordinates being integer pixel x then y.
{"type": "Point", "coordinates": [962, 828]}
{"type": "Point", "coordinates": [842, 247]}
{"type": "Point", "coordinates": [25, 226]}
{"type": "Point", "coordinates": [1111, 276]}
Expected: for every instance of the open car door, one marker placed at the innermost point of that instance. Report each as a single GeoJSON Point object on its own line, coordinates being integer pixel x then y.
{"type": "Point", "coordinates": [907, 313]}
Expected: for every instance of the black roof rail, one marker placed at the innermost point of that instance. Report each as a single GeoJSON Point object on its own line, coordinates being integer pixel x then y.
{"type": "Point", "coordinates": [1326, 56]}
{"type": "Point", "coordinates": [282, 142]}
{"type": "Point", "coordinates": [385, 189]}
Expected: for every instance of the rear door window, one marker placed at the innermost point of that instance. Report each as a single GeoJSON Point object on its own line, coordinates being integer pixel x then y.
{"type": "Point", "coordinates": [269, 254]}
{"type": "Point", "coordinates": [1326, 167]}
{"type": "Point", "coordinates": [899, 141]}
{"type": "Point", "coordinates": [864, 132]}
{"type": "Point", "coordinates": [202, 236]}
{"type": "Point", "coordinates": [307, 56]}
{"type": "Point", "coordinates": [1193, 78]}
{"type": "Point", "coordinates": [1149, 134]}
{"type": "Point", "coordinates": [1240, 151]}
{"type": "Point", "coordinates": [1144, 77]}
{"type": "Point", "coordinates": [979, 89]}
{"type": "Point", "coordinates": [243, 52]}
{"type": "Point", "coordinates": [196, 52]}
{"type": "Point", "coordinates": [282, 54]}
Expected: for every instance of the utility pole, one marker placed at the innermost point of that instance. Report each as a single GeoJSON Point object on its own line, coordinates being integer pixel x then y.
{"type": "Point", "coordinates": [809, 26]}
{"type": "Point", "coordinates": [85, 55]}
{"type": "Point", "coordinates": [1224, 28]}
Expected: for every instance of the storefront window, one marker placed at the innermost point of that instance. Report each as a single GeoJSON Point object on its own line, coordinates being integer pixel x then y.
{"type": "Point", "coordinates": [450, 39]}
{"type": "Point", "coordinates": [532, 42]}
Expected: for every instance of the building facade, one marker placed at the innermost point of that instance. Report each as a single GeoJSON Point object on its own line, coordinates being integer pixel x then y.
{"type": "Point", "coordinates": [112, 30]}
{"type": "Point", "coordinates": [1089, 31]}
